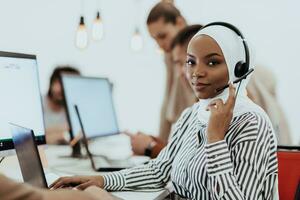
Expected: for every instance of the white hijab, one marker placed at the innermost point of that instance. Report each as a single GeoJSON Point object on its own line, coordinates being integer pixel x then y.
{"type": "Point", "coordinates": [233, 50]}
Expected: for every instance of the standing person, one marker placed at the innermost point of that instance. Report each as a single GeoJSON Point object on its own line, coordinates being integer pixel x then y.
{"type": "Point", "coordinates": [164, 22]}
{"type": "Point", "coordinates": [178, 52]}
{"type": "Point", "coordinates": [223, 147]}
{"type": "Point", "coordinates": [54, 109]}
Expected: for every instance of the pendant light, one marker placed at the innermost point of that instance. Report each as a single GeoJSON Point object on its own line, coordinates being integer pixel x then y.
{"type": "Point", "coordinates": [98, 29]}
{"type": "Point", "coordinates": [137, 42]}
{"type": "Point", "coordinates": [81, 40]}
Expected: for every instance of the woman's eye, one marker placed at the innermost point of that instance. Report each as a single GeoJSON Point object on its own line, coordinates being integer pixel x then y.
{"type": "Point", "coordinates": [190, 62]}
{"type": "Point", "coordinates": [213, 62]}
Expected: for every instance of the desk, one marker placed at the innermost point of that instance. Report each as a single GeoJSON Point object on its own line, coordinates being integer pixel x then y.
{"type": "Point", "coordinates": [61, 165]}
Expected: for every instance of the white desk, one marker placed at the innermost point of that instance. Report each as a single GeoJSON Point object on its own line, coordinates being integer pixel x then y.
{"type": "Point", "coordinates": [59, 164]}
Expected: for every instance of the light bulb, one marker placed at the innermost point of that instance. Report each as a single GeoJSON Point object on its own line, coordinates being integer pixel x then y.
{"type": "Point", "coordinates": [137, 42]}
{"type": "Point", "coordinates": [98, 29]}
{"type": "Point", "coordinates": [81, 35]}
{"type": "Point", "coordinates": [160, 51]}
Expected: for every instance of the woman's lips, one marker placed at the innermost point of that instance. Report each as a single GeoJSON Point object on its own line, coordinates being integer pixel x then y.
{"type": "Point", "coordinates": [200, 86]}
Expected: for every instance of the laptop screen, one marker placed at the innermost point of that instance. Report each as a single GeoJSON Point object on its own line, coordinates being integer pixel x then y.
{"type": "Point", "coordinates": [28, 156]}
{"type": "Point", "coordinates": [94, 98]}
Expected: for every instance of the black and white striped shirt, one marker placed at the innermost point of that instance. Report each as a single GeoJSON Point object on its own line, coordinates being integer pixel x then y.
{"type": "Point", "coordinates": [242, 166]}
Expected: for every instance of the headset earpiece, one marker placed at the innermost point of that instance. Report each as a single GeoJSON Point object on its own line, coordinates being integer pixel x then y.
{"type": "Point", "coordinates": [240, 69]}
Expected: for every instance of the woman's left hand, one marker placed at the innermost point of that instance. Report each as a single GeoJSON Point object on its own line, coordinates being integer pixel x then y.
{"type": "Point", "coordinates": [220, 117]}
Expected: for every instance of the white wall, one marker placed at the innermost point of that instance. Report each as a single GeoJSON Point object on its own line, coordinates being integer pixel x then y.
{"type": "Point", "coordinates": [47, 28]}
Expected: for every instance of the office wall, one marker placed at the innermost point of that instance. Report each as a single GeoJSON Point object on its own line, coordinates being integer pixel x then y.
{"type": "Point", "coordinates": [47, 28]}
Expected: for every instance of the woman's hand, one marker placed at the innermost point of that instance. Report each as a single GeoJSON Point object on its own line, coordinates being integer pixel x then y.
{"type": "Point", "coordinates": [139, 142]}
{"type": "Point", "coordinates": [220, 117]}
{"type": "Point", "coordinates": [79, 182]}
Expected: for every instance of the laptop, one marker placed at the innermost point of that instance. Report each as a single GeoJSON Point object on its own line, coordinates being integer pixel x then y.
{"type": "Point", "coordinates": [29, 158]}
{"type": "Point", "coordinates": [113, 166]}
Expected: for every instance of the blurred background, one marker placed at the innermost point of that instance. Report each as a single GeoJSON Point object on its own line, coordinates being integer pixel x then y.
{"type": "Point", "coordinates": [134, 63]}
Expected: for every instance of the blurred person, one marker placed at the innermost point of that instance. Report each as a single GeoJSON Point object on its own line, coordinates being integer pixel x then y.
{"type": "Point", "coordinates": [178, 52]}
{"type": "Point", "coordinates": [56, 124]}
{"type": "Point", "coordinates": [164, 22]}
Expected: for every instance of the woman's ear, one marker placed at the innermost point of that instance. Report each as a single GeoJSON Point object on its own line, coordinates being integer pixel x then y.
{"type": "Point", "coordinates": [180, 22]}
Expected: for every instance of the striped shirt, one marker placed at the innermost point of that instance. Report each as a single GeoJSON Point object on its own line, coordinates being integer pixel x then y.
{"type": "Point", "coordinates": [242, 166]}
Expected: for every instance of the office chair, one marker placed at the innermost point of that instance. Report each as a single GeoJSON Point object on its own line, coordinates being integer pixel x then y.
{"type": "Point", "coordinates": [289, 172]}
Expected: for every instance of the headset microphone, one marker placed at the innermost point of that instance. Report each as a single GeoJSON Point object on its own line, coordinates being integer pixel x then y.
{"type": "Point", "coordinates": [236, 81]}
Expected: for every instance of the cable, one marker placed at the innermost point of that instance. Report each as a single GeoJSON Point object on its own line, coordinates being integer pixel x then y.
{"type": "Point", "coordinates": [237, 92]}
{"type": "Point", "coordinates": [1, 159]}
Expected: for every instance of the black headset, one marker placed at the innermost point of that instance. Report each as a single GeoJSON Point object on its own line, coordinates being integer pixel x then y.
{"type": "Point", "coordinates": [242, 67]}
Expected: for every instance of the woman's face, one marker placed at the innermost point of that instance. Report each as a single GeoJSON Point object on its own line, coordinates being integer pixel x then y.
{"type": "Point", "coordinates": [56, 89]}
{"type": "Point", "coordinates": [179, 58]}
{"type": "Point", "coordinates": [206, 67]}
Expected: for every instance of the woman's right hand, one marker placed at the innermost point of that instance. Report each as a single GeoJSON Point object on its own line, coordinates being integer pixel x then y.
{"type": "Point", "coordinates": [139, 142]}
{"type": "Point", "coordinates": [78, 182]}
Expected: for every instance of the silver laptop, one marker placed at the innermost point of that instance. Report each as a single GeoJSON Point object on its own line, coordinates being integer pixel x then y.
{"type": "Point", "coordinates": [29, 158]}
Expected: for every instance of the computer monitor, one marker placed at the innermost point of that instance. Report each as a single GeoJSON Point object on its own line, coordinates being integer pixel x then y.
{"type": "Point", "coordinates": [94, 97]}
{"type": "Point", "coordinates": [20, 100]}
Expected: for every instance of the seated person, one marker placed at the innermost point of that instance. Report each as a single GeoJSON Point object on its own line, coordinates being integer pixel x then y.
{"type": "Point", "coordinates": [223, 147]}
{"type": "Point", "coordinates": [54, 109]}
{"type": "Point", "coordinates": [11, 190]}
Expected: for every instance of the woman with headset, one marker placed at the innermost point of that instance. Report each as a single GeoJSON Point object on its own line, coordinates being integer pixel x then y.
{"type": "Point", "coordinates": [224, 146]}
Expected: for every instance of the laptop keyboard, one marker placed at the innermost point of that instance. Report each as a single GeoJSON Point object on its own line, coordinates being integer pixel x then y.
{"type": "Point", "coordinates": [51, 177]}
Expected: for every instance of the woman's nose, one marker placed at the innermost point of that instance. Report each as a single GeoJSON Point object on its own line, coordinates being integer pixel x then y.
{"type": "Point", "coordinates": [198, 72]}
